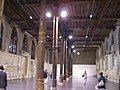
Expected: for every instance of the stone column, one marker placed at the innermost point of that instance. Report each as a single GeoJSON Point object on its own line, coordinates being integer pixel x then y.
{"type": "Point", "coordinates": [1, 15]}
{"type": "Point", "coordinates": [55, 51]}
{"type": "Point", "coordinates": [61, 61]}
{"type": "Point", "coordinates": [41, 48]}
{"type": "Point", "coordinates": [64, 53]}
{"type": "Point", "coordinates": [69, 63]}
{"type": "Point", "coordinates": [67, 60]}
{"type": "Point", "coordinates": [1, 10]}
{"type": "Point", "coordinates": [71, 68]}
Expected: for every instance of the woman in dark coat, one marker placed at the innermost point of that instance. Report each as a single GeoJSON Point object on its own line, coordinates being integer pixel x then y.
{"type": "Point", "coordinates": [3, 79]}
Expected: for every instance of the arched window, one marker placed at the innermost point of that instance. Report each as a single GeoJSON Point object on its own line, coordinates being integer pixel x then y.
{"type": "Point", "coordinates": [24, 47]}
{"type": "Point", "coordinates": [119, 40]}
{"type": "Point", "coordinates": [33, 50]}
{"type": "Point", "coordinates": [1, 35]}
{"type": "Point", "coordinates": [13, 42]}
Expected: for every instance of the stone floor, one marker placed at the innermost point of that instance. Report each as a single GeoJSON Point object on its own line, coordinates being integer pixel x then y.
{"type": "Point", "coordinates": [75, 83]}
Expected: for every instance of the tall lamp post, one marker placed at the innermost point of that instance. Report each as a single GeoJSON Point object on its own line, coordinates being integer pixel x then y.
{"type": "Point", "coordinates": [55, 44]}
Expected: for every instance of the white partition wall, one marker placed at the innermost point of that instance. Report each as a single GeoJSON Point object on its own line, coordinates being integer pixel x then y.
{"type": "Point", "coordinates": [78, 70]}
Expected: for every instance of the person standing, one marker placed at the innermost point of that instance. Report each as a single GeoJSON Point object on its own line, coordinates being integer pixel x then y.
{"type": "Point", "coordinates": [3, 79]}
{"type": "Point", "coordinates": [45, 75]}
{"type": "Point", "coordinates": [85, 77]}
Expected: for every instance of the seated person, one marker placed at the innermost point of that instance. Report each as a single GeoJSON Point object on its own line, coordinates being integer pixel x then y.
{"type": "Point", "coordinates": [101, 80]}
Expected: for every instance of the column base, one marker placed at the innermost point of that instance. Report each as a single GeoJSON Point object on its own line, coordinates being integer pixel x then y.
{"type": "Point", "coordinates": [61, 78]}
{"type": "Point", "coordinates": [54, 83]}
{"type": "Point", "coordinates": [64, 77]}
{"type": "Point", "coordinates": [39, 84]}
{"type": "Point", "coordinates": [53, 88]}
{"type": "Point", "coordinates": [67, 79]}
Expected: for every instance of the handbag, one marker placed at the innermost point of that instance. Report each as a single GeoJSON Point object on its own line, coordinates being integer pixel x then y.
{"type": "Point", "coordinates": [101, 83]}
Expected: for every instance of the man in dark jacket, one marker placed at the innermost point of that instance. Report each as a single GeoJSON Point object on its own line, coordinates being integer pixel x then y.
{"type": "Point", "coordinates": [3, 79]}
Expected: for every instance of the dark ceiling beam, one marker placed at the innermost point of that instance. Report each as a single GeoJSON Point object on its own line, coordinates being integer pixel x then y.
{"type": "Point", "coordinates": [93, 19]}
{"type": "Point", "coordinates": [27, 22]}
{"type": "Point", "coordinates": [17, 13]}
{"type": "Point", "coordinates": [62, 3]}
{"type": "Point", "coordinates": [99, 15]}
{"type": "Point", "coordinates": [92, 42]}
{"type": "Point", "coordinates": [83, 36]}
{"type": "Point", "coordinates": [83, 27]}
{"type": "Point", "coordinates": [92, 46]}
{"type": "Point", "coordinates": [71, 19]}
{"type": "Point", "coordinates": [83, 39]}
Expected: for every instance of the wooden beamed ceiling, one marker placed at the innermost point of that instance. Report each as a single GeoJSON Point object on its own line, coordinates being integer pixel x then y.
{"type": "Point", "coordinates": [105, 14]}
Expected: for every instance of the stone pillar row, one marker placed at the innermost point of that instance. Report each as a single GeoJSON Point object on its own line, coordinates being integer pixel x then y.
{"type": "Point", "coordinates": [1, 11]}
{"type": "Point", "coordinates": [41, 52]}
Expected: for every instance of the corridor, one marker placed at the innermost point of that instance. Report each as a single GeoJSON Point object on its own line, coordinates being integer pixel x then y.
{"type": "Point", "coordinates": [76, 83]}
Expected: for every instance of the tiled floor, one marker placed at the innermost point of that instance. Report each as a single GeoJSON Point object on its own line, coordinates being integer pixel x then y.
{"type": "Point", "coordinates": [75, 83]}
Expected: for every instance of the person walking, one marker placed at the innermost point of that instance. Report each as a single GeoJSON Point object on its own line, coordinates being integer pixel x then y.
{"type": "Point", "coordinates": [85, 77]}
{"type": "Point", "coordinates": [3, 79]}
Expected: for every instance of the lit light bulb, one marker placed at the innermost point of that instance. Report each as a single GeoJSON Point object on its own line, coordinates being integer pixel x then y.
{"type": "Point", "coordinates": [91, 16]}
{"type": "Point", "coordinates": [70, 37]}
{"type": "Point", "coordinates": [72, 46]}
{"type": "Point", "coordinates": [86, 36]}
{"type": "Point", "coordinates": [83, 45]}
{"type": "Point", "coordinates": [63, 13]}
{"type": "Point", "coordinates": [74, 51]}
{"type": "Point", "coordinates": [60, 37]}
{"type": "Point", "coordinates": [78, 53]}
{"type": "Point", "coordinates": [48, 14]}
{"type": "Point", "coordinates": [31, 17]}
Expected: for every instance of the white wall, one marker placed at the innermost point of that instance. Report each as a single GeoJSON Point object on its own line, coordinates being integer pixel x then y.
{"type": "Point", "coordinates": [78, 70]}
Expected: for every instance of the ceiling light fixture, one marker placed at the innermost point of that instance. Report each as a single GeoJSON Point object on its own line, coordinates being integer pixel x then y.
{"type": "Point", "coordinates": [66, 46]}
{"type": "Point", "coordinates": [86, 37]}
{"type": "Point", "coordinates": [31, 17]}
{"type": "Point", "coordinates": [78, 53]}
{"type": "Point", "coordinates": [74, 51]}
{"type": "Point", "coordinates": [63, 13]}
{"type": "Point", "coordinates": [72, 46]}
{"type": "Point", "coordinates": [70, 37]}
{"type": "Point", "coordinates": [91, 16]}
{"type": "Point", "coordinates": [48, 14]}
{"type": "Point", "coordinates": [48, 36]}
{"type": "Point", "coordinates": [60, 37]}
